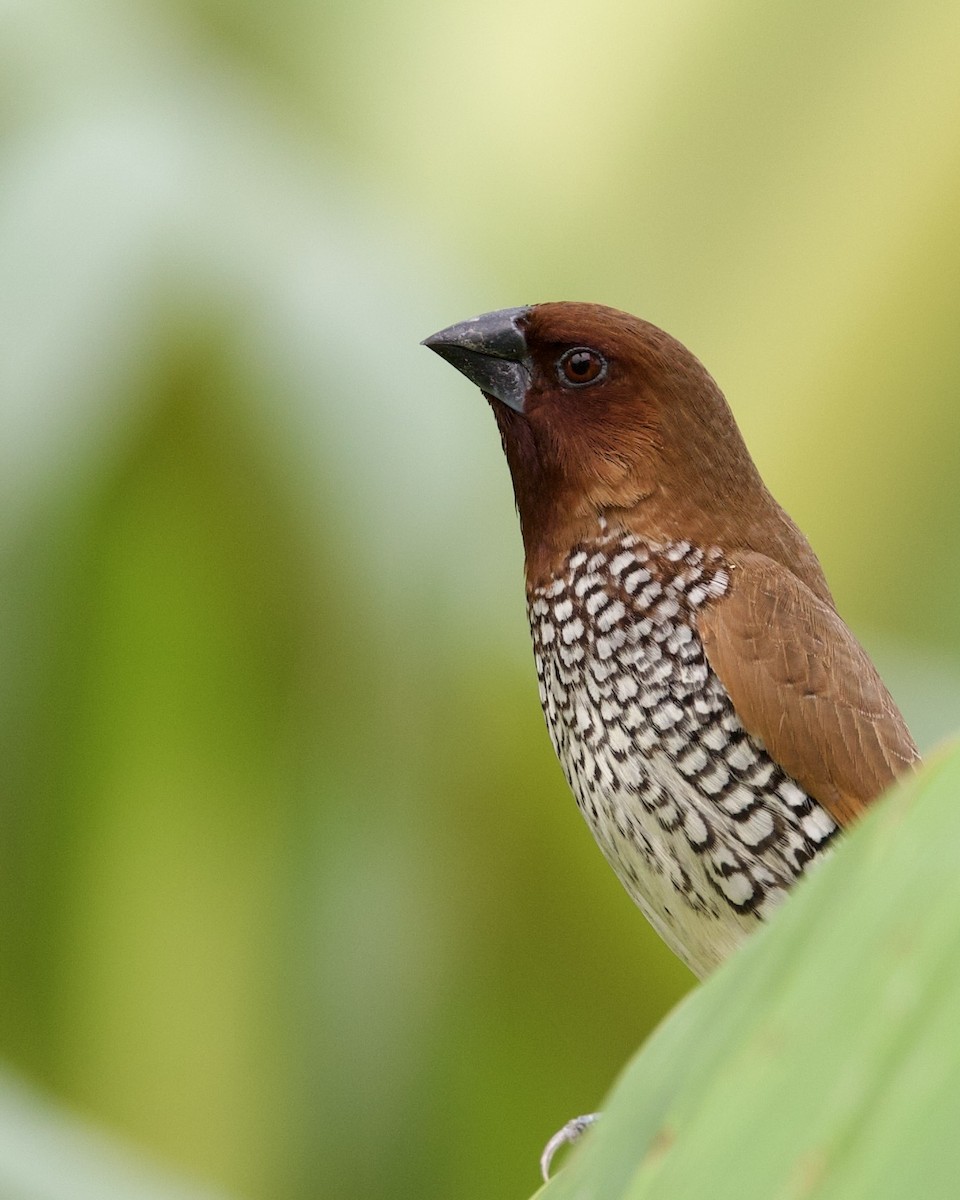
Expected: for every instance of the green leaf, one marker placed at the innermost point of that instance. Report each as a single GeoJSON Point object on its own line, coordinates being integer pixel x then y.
{"type": "Point", "coordinates": [49, 1153]}
{"type": "Point", "coordinates": [823, 1060]}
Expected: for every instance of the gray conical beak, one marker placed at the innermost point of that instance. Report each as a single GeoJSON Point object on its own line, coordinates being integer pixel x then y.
{"type": "Point", "coordinates": [491, 351]}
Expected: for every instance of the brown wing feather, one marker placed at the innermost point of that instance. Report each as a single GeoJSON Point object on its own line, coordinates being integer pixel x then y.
{"type": "Point", "coordinates": [802, 683]}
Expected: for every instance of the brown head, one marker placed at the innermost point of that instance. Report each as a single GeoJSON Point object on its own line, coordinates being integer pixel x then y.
{"type": "Point", "coordinates": [603, 414]}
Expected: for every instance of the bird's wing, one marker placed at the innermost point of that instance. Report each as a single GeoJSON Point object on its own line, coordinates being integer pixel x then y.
{"type": "Point", "coordinates": [802, 683]}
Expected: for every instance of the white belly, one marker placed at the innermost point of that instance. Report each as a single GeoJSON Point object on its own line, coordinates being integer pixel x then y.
{"type": "Point", "coordinates": [705, 831]}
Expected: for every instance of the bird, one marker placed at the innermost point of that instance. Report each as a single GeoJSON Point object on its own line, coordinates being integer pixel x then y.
{"type": "Point", "coordinates": [718, 723]}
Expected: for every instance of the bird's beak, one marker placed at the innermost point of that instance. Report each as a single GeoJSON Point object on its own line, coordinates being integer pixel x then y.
{"type": "Point", "coordinates": [491, 351]}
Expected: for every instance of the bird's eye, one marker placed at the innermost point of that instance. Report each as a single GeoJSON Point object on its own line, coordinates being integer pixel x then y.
{"type": "Point", "coordinates": [581, 366]}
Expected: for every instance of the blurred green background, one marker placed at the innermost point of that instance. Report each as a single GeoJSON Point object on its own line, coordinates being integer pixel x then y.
{"type": "Point", "coordinates": [293, 898]}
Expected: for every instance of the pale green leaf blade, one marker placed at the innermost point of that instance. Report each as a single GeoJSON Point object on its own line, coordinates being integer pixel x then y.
{"type": "Point", "coordinates": [824, 1059]}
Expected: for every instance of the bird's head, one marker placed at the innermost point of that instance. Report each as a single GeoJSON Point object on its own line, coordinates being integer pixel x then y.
{"type": "Point", "coordinates": [605, 415]}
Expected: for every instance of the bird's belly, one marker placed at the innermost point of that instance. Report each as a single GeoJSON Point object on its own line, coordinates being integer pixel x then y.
{"type": "Point", "coordinates": [704, 866]}
{"type": "Point", "coordinates": [706, 832]}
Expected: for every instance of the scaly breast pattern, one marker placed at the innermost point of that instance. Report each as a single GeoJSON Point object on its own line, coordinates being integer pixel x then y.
{"type": "Point", "coordinates": [703, 828]}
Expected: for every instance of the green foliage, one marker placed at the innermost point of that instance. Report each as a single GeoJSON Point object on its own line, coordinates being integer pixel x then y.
{"type": "Point", "coordinates": [822, 1061]}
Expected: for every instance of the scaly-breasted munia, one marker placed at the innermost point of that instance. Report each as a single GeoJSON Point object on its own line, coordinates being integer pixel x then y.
{"type": "Point", "coordinates": [715, 718]}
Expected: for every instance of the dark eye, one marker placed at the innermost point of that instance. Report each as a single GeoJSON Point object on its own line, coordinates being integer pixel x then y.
{"type": "Point", "coordinates": [581, 366]}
